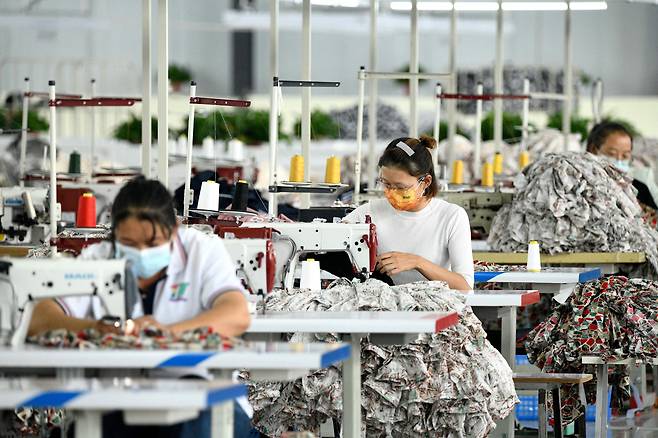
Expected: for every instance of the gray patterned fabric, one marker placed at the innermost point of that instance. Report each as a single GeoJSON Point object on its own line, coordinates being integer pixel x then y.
{"type": "Point", "coordinates": [451, 384]}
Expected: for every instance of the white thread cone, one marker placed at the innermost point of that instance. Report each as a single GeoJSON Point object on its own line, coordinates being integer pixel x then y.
{"type": "Point", "coordinates": [534, 258]}
{"type": "Point", "coordinates": [209, 196]}
{"type": "Point", "coordinates": [310, 275]}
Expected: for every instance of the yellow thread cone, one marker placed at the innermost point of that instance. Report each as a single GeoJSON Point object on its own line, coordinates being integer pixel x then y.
{"type": "Point", "coordinates": [332, 171]}
{"type": "Point", "coordinates": [524, 159]}
{"type": "Point", "coordinates": [297, 169]}
{"type": "Point", "coordinates": [487, 175]}
{"type": "Point", "coordinates": [498, 163]}
{"type": "Point", "coordinates": [457, 172]}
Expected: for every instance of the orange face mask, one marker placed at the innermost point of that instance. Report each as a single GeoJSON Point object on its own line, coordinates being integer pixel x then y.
{"type": "Point", "coordinates": [404, 199]}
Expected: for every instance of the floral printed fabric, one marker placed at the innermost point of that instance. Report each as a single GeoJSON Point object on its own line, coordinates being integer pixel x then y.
{"type": "Point", "coordinates": [451, 384]}
{"type": "Point", "coordinates": [574, 202]}
{"type": "Point", "coordinates": [614, 318]}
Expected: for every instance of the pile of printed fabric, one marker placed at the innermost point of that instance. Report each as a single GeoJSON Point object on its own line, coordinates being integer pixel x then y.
{"type": "Point", "coordinates": [451, 384]}
{"type": "Point", "coordinates": [574, 202]}
{"type": "Point", "coordinates": [614, 318]}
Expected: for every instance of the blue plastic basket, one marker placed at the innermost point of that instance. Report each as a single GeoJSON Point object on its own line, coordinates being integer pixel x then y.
{"type": "Point", "coordinates": [522, 359]}
{"type": "Point", "coordinates": [527, 409]}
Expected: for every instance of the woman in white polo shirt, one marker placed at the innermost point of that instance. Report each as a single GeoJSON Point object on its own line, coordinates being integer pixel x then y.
{"type": "Point", "coordinates": [186, 280]}
{"type": "Point", "coordinates": [420, 236]}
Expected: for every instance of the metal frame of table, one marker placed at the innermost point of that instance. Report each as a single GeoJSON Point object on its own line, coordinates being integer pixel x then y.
{"type": "Point", "coordinates": [383, 328]}
{"type": "Point", "coordinates": [601, 427]}
{"type": "Point", "coordinates": [142, 401]}
{"type": "Point", "coordinates": [269, 361]}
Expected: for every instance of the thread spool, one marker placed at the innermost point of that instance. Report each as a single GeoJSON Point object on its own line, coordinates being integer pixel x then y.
{"type": "Point", "coordinates": [524, 159]}
{"type": "Point", "coordinates": [85, 216]}
{"type": "Point", "coordinates": [241, 196]}
{"type": "Point", "coordinates": [208, 147]}
{"type": "Point", "coordinates": [487, 175]}
{"type": "Point", "coordinates": [310, 275]}
{"type": "Point", "coordinates": [534, 258]}
{"type": "Point", "coordinates": [498, 163]}
{"type": "Point", "coordinates": [296, 169]}
{"type": "Point", "coordinates": [74, 163]}
{"type": "Point", "coordinates": [236, 150]}
{"type": "Point", "coordinates": [30, 212]}
{"type": "Point", "coordinates": [209, 196]}
{"type": "Point", "coordinates": [457, 172]}
{"type": "Point", "coordinates": [332, 171]}
{"type": "Point", "coordinates": [181, 145]}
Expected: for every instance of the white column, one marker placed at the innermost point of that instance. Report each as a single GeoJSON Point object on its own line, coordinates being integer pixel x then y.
{"type": "Point", "coordinates": [372, 98]}
{"type": "Point", "coordinates": [146, 88]}
{"type": "Point", "coordinates": [53, 167]}
{"type": "Point", "coordinates": [23, 152]}
{"type": "Point", "coordinates": [526, 113]}
{"type": "Point", "coordinates": [568, 79]}
{"type": "Point", "coordinates": [452, 103]}
{"type": "Point", "coordinates": [477, 147]}
{"type": "Point", "coordinates": [92, 127]}
{"type": "Point", "coordinates": [274, 137]}
{"type": "Point", "coordinates": [498, 79]}
{"type": "Point", "coordinates": [352, 390]}
{"type": "Point", "coordinates": [163, 91]}
{"type": "Point", "coordinates": [359, 137]}
{"type": "Point", "coordinates": [437, 125]}
{"type": "Point", "coordinates": [187, 195]}
{"type": "Point", "coordinates": [274, 38]}
{"type": "Point", "coordinates": [306, 97]}
{"type": "Point", "coordinates": [413, 68]}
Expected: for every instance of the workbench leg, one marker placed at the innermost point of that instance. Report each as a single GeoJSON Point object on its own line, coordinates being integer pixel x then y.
{"type": "Point", "coordinates": [222, 420]}
{"type": "Point", "coordinates": [600, 427]}
{"type": "Point", "coordinates": [557, 413]}
{"type": "Point", "coordinates": [352, 390]}
{"type": "Point", "coordinates": [508, 334]}
{"type": "Point", "coordinates": [89, 424]}
{"type": "Point", "coordinates": [543, 415]}
{"type": "Point", "coordinates": [643, 384]}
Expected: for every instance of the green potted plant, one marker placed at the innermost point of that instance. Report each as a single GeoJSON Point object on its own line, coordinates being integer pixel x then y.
{"type": "Point", "coordinates": [405, 83]}
{"type": "Point", "coordinates": [13, 120]}
{"type": "Point", "coordinates": [443, 131]}
{"type": "Point", "coordinates": [216, 125]}
{"type": "Point", "coordinates": [131, 130]}
{"type": "Point", "coordinates": [178, 75]}
{"type": "Point", "coordinates": [322, 126]}
{"type": "Point", "coordinates": [511, 127]}
{"type": "Point", "coordinates": [579, 125]}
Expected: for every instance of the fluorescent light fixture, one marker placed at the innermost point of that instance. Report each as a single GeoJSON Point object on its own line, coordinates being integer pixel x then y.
{"type": "Point", "coordinates": [488, 6]}
{"type": "Point", "coordinates": [337, 3]}
{"type": "Point", "coordinates": [476, 6]}
{"type": "Point", "coordinates": [588, 6]}
{"type": "Point", "coordinates": [534, 6]}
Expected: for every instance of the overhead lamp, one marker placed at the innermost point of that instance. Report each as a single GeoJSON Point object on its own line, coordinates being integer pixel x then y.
{"type": "Point", "coordinates": [476, 6]}
{"type": "Point", "coordinates": [492, 6]}
{"type": "Point", "coordinates": [588, 6]}
{"type": "Point", "coordinates": [337, 3]}
{"type": "Point", "coordinates": [535, 6]}
{"type": "Point", "coordinates": [422, 6]}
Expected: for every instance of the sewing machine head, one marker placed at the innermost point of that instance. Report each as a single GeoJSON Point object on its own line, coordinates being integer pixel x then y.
{"type": "Point", "coordinates": [22, 215]}
{"type": "Point", "coordinates": [294, 240]}
{"type": "Point", "coordinates": [255, 261]}
{"type": "Point", "coordinates": [27, 281]}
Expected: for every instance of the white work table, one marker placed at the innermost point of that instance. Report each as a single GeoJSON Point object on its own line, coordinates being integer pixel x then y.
{"type": "Point", "coordinates": [601, 426]}
{"type": "Point", "coordinates": [558, 281]}
{"type": "Point", "coordinates": [383, 327]}
{"type": "Point", "coordinates": [142, 401]}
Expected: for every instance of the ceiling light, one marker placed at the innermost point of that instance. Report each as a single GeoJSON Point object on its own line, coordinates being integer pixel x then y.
{"type": "Point", "coordinates": [476, 6]}
{"type": "Point", "coordinates": [588, 6]}
{"type": "Point", "coordinates": [534, 6]}
{"type": "Point", "coordinates": [485, 6]}
{"type": "Point", "coordinates": [337, 3]}
{"type": "Point", "coordinates": [422, 6]}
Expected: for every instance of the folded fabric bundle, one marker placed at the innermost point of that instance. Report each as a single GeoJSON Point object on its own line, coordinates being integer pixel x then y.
{"type": "Point", "coordinates": [614, 318]}
{"type": "Point", "coordinates": [574, 202]}
{"type": "Point", "coordinates": [449, 384]}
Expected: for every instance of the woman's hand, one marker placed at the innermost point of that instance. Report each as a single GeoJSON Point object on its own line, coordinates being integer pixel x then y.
{"type": "Point", "coordinates": [138, 324]}
{"type": "Point", "coordinates": [392, 263]}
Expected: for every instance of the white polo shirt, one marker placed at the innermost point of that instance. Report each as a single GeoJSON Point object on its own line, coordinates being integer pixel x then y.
{"type": "Point", "coordinates": [200, 270]}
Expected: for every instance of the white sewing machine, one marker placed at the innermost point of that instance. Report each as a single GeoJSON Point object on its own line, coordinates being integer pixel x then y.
{"type": "Point", "coordinates": [255, 262]}
{"type": "Point", "coordinates": [27, 281]}
{"type": "Point", "coordinates": [22, 215]}
{"type": "Point", "coordinates": [292, 240]}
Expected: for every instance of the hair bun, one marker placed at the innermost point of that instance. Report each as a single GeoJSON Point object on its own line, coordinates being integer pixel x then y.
{"type": "Point", "coordinates": [428, 142]}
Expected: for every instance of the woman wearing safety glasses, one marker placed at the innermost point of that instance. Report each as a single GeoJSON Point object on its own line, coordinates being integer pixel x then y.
{"type": "Point", "coordinates": [420, 236]}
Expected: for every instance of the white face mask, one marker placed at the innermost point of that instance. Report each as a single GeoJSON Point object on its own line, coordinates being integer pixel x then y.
{"type": "Point", "coordinates": [621, 165]}
{"type": "Point", "coordinates": [146, 262]}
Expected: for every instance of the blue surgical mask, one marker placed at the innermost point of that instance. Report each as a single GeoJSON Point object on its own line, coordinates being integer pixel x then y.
{"type": "Point", "coordinates": [621, 165]}
{"type": "Point", "coordinates": [146, 262]}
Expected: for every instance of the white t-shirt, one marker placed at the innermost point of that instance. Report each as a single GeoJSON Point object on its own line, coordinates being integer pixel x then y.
{"type": "Point", "coordinates": [440, 233]}
{"type": "Point", "coordinates": [199, 271]}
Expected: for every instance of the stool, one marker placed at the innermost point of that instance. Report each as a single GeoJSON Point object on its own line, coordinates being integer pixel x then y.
{"type": "Point", "coordinates": [544, 382]}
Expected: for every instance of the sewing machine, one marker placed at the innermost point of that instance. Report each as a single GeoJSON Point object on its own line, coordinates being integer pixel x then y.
{"type": "Point", "coordinates": [293, 240]}
{"type": "Point", "coordinates": [255, 261]}
{"type": "Point", "coordinates": [22, 218]}
{"type": "Point", "coordinates": [481, 207]}
{"type": "Point", "coordinates": [27, 281]}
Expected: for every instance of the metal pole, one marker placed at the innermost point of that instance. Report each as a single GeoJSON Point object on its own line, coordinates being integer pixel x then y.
{"type": "Point", "coordinates": [53, 167]}
{"type": "Point", "coordinates": [163, 92]}
{"type": "Point", "coordinates": [477, 147]}
{"type": "Point", "coordinates": [359, 137]}
{"type": "Point", "coordinates": [274, 38]}
{"type": "Point", "coordinates": [306, 97]}
{"type": "Point", "coordinates": [274, 137]}
{"type": "Point", "coordinates": [146, 89]}
{"type": "Point", "coordinates": [413, 68]}
{"type": "Point", "coordinates": [452, 104]}
{"type": "Point", "coordinates": [372, 98]}
{"type": "Point", "coordinates": [498, 80]}
{"type": "Point", "coordinates": [437, 124]}
{"type": "Point", "coordinates": [188, 166]}
{"type": "Point", "coordinates": [597, 101]}
{"type": "Point", "coordinates": [24, 126]}
{"type": "Point", "coordinates": [92, 123]}
{"type": "Point", "coordinates": [526, 113]}
{"type": "Point", "coordinates": [568, 78]}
